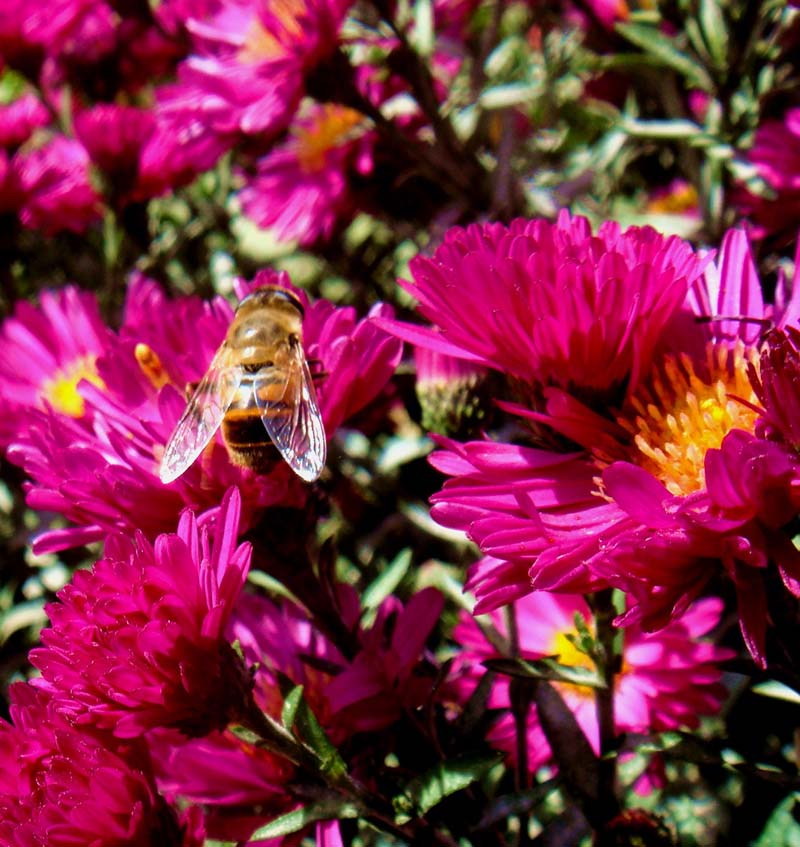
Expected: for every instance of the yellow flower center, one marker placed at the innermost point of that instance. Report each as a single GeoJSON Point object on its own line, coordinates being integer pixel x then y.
{"type": "Point", "coordinates": [332, 126]}
{"type": "Point", "coordinates": [682, 198]}
{"type": "Point", "coordinates": [61, 390]}
{"type": "Point", "coordinates": [568, 654]}
{"type": "Point", "coordinates": [263, 45]}
{"type": "Point", "coordinates": [680, 416]}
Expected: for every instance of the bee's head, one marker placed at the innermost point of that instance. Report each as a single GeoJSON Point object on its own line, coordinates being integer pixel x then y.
{"type": "Point", "coordinates": [273, 295]}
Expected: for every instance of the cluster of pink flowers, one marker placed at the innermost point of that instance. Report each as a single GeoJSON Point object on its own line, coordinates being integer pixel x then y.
{"type": "Point", "coordinates": [157, 96]}
{"type": "Point", "coordinates": [139, 684]}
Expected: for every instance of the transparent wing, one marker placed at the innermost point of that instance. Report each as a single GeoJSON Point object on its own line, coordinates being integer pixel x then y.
{"type": "Point", "coordinates": [203, 415]}
{"type": "Point", "coordinates": [291, 416]}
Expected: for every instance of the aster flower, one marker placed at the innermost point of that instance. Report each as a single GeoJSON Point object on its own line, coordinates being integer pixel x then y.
{"type": "Point", "coordinates": [775, 158]}
{"type": "Point", "coordinates": [246, 72]}
{"type": "Point", "coordinates": [63, 786]}
{"type": "Point", "coordinates": [240, 785]}
{"type": "Point", "coordinates": [114, 137]}
{"type": "Point", "coordinates": [46, 351]}
{"type": "Point", "coordinates": [668, 679]}
{"type": "Point", "coordinates": [632, 506]}
{"type": "Point", "coordinates": [385, 678]}
{"type": "Point", "coordinates": [104, 476]}
{"type": "Point", "coordinates": [54, 183]}
{"type": "Point", "coordinates": [20, 118]}
{"type": "Point", "coordinates": [543, 303]}
{"type": "Point", "coordinates": [138, 642]}
{"type": "Point", "coordinates": [301, 188]}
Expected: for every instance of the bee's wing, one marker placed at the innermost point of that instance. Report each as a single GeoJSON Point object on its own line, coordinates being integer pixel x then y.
{"type": "Point", "coordinates": [203, 415]}
{"type": "Point", "coordinates": [292, 418]}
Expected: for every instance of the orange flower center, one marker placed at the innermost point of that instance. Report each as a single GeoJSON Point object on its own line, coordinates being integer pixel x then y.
{"type": "Point", "coordinates": [680, 416]}
{"type": "Point", "coordinates": [332, 127]}
{"type": "Point", "coordinates": [61, 390]}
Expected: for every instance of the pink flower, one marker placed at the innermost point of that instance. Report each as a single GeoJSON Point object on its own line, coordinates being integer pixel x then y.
{"type": "Point", "coordinates": [63, 786]}
{"type": "Point", "coordinates": [385, 678]}
{"type": "Point", "coordinates": [54, 183]}
{"type": "Point", "coordinates": [46, 352]}
{"type": "Point", "coordinates": [543, 302]}
{"type": "Point", "coordinates": [631, 491]}
{"type": "Point", "coordinates": [775, 157]}
{"type": "Point", "coordinates": [669, 679]}
{"type": "Point", "coordinates": [302, 188]}
{"type": "Point", "coordinates": [247, 69]}
{"type": "Point", "coordinates": [115, 137]}
{"type": "Point", "coordinates": [20, 118]}
{"type": "Point", "coordinates": [240, 785]}
{"type": "Point", "coordinates": [138, 642]}
{"type": "Point", "coordinates": [102, 473]}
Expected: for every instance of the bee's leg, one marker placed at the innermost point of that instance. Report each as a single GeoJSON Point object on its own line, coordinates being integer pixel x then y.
{"type": "Point", "coordinates": [190, 388]}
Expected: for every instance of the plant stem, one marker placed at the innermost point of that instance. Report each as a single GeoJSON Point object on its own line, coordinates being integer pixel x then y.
{"type": "Point", "coordinates": [604, 613]}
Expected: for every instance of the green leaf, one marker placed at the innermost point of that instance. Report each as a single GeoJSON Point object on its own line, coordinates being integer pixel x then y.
{"type": "Point", "coordinates": [715, 32]}
{"type": "Point", "coordinates": [657, 44]}
{"type": "Point", "coordinates": [388, 581]}
{"type": "Point", "coordinates": [330, 762]}
{"type": "Point", "coordinates": [329, 807]}
{"type": "Point", "coordinates": [519, 803]}
{"type": "Point", "coordinates": [291, 704]}
{"type": "Point", "coordinates": [546, 668]}
{"type": "Point", "coordinates": [777, 690]}
{"type": "Point", "coordinates": [429, 789]}
{"type": "Point", "coordinates": [782, 829]}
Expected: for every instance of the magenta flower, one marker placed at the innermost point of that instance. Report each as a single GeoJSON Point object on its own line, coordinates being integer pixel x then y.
{"type": "Point", "coordinates": [543, 302]}
{"type": "Point", "coordinates": [62, 786]}
{"type": "Point", "coordinates": [46, 352]}
{"type": "Point", "coordinates": [54, 183]}
{"type": "Point", "coordinates": [669, 679]}
{"type": "Point", "coordinates": [644, 472]}
{"type": "Point", "coordinates": [20, 118]}
{"type": "Point", "coordinates": [242, 786]}
{"type": "Point", "coordinates": [775, 157]}
{"type": "Point", "coordinates": [102, 473]}
{"type": "Point", "coordinates": [138, 642]}
{"type": "Point", "coordinates": [385, 678]}
{"type": "Point", "coordinates": [249, 61]}
{"type": "Point", "coordinates": [115, 138]}
{"type": "Point", "coordinates": [301, 188]}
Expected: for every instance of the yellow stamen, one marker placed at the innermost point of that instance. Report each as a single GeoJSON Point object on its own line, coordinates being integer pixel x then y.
{"type": "Point", "coordinates": [151, 366]}
{"type": "Point", "coordinates": [331, 127]}
{"type": "Point", "coordinates": [681, 415]}
{"type": "Point", "coordinates": [568, 654]}
{"type": "Point", "coordinates": [61, 391]}
{"type": "Point", "coordinates": [682, 198]}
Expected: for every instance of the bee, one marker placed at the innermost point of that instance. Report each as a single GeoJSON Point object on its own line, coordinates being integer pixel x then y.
{"type": "Point", "coordinates": [259, 390]}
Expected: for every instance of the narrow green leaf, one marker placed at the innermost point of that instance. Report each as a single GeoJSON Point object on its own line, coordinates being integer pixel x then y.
{"type": "Point", "coordinates": [521, 802]}
{"type": "Point", "coordinates": [388, 581]}
{"type": "Point", "coordinates": [330, 807]}
{"type": "Point", "coordinates": [546, 668]}
{"type": "Point", "coordinates": [715, 32]}
{"type": "Point", "coordinates": [429, 789]}
{"type": "Point", "coordinates": [330, 762]}
{"type": "Point", "coordinates": [657, 44]}
{"type": "Point", "coordinates": [291, 704]}
{"type": "Point", "coordinates": [777, 690]}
